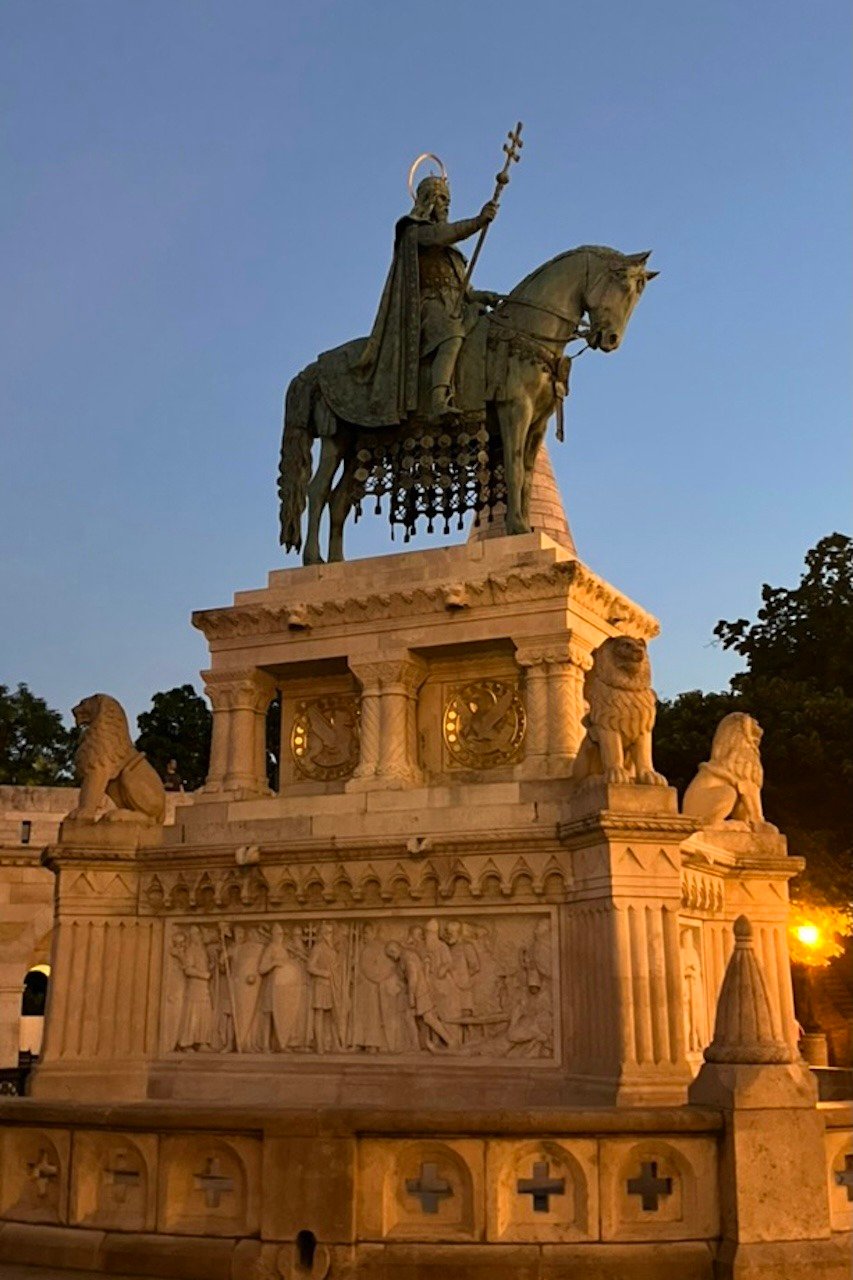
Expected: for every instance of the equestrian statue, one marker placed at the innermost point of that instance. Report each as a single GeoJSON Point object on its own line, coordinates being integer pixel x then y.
{"type": "Point", "coordinates": [443, 408]}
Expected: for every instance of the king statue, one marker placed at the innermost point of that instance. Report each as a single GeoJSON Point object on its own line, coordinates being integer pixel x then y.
{"type": "Point", "coordinates": [443, 407]}
{"type": "Point", "coordinates": [426, 306]}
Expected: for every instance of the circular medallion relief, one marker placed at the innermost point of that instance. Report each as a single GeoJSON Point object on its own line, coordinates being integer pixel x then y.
{"type": "Point", "coordinates": [484, 724]}
{"type": "Point", "coordinates": [324, 738]}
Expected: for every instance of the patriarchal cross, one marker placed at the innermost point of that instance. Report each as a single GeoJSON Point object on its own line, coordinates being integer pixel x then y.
{"type": "Point", "coordinates": [541, 1187]}
{"type": "Point", "coordinates": [649, 1186]}
{"type": "Point", "coordinates": [213, 1183]}
{"type": "Point", "coordinates": [429, 1188]}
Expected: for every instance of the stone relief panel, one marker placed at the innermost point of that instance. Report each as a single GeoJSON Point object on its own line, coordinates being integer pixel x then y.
{"type": "Point", "coordinates": [209, 1186]}
{"type": "Point", "coordinates": [484, 724]}
{"type": "Point", "coordinates": [419, 984]}
{"type": "Point", "coordinates": [542, 1190]}
{"type": "Point", "coordinates": [324, 737]}
{"type": "Point", "coordinates": [34, 1174]}
{"type": "Point", "coordinates": [113, 1181]}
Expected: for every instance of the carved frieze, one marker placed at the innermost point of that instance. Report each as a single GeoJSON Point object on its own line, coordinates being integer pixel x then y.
{"type": "Point", "coordinates": [536, 876]}
{"type": "Point", "coordinates": [484, 724]}
{"type": "Point", "coordinates": [324, 737]}
{"type": "Point", "coordinates": [414, 984]}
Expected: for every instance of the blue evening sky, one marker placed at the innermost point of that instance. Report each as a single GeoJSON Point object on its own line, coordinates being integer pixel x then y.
{"type": "Point", "coordinates": [198, 196]}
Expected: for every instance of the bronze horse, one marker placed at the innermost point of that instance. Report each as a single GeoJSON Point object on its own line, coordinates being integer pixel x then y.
{"type": "Point", "coordinates": [538, 318]}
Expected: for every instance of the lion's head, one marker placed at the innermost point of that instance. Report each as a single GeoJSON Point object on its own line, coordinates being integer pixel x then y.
{"type": "Point", "coordinates": [736, 747]}
{"type": "Point", "coordinates": [623, 663]}
{"type": "Point", "coordinates": [107, 738]}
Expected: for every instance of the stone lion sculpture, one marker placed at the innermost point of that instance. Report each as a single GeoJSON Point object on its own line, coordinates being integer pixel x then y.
{"type": "Point", "coordinates": [727, 788]}
{"type": "Point", "coordinates": [617, 746]}
{"type": "Point", "coordinates": [108, 764]}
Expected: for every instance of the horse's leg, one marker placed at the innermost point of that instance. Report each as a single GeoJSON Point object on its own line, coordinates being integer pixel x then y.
{"type": "Point", "coordinates": [535, 436]}
{"type": "Point", "coordinates": [514, 418]}
{"type": "Point", "coordinates": [319, 489]}
{"type": "Point", "coordinates": [340, 505]}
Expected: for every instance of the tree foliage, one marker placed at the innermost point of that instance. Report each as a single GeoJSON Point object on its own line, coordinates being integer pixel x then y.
{"type": "Point", "coordinates": [36, 750]}
{"type": "Point", "coordinates": [798, 683]}
{"type": "Point", "coordinates": [177, 727]}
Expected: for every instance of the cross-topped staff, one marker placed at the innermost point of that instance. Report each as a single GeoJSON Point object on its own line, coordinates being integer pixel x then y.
{"type": "Point", "coordinates": [512, 149]}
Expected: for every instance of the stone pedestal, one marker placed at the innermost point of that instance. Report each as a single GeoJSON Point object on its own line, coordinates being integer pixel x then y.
{"type": "Point", "coordinates": [459, 995]}
{"type": "Point", "coordinates": [623, 934]}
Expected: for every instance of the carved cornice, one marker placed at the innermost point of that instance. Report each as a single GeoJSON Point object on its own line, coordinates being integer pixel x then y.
{"type": "Point", "coordinates": [501, 879]}
{"type": "Point", "coordinates": [621, 826]}
{"type": "Point", "coordinates": [514, 586]}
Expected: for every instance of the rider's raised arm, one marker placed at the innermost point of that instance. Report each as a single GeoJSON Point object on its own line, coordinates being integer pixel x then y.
{"type": "Point", "coordinates": [440, 233]}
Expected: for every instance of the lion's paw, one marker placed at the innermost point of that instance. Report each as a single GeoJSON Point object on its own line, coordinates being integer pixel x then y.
{"type": "Point", "coordinates": [618, 774]}
{"type": "Point", "coordinates": [651, 778]}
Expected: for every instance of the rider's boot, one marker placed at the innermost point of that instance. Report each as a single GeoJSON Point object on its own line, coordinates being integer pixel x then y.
{"type": "Point", "coordinates": [441, 402]}
{"type": "Point", "coordinates": [443, 365]}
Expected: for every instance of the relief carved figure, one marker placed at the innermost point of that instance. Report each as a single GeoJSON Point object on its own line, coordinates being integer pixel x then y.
{"type": "Point", "coordinates": [327, 1009]}
{"type": "Point", "coordinates": [691, 973]}
{"type": "Point", "coordinates": [617, 746]}
{"type": "Point", "coordinates": [108, 764]}
{"type": "Point", "coordinates": [283, 1007]}
{"type": "Point", "coordinates": [727, 788]}
{"type": "Point", "coordinates": [367, 987]}
{"type": "Point", "coordinates": [195, 1029]}
{"type": "Point", "coordinates": [374, 969]}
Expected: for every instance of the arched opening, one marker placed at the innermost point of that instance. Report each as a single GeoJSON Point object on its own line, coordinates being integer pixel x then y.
{"type": "Point", "coordinates": [33, 1000]}
{"type": "Point", "coordinates": [306, 1247]}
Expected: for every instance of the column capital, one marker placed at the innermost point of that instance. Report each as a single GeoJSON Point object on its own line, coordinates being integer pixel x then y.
{"type": "Point", "coordinates": [405, 673]}
{"type": "Point", "coordinates": [246, 688]}
{"type": "Point", "coordinates": [536, 651]}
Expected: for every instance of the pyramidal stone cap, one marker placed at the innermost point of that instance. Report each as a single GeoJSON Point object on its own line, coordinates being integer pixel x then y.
{"type": "Point", "coordinates": [743, 1030]}
{"type": "Point", "coordinates": [547, 513]}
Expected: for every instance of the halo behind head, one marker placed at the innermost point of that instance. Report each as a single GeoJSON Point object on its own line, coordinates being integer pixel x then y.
{"type": "Point", "coordinates": [425, 155]}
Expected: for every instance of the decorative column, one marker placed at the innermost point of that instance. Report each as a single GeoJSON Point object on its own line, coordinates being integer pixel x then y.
{"type": "Point", "coordinates": [554, 702]}
{"type": "Point", "coordinates": [566, 706]}
{"type": "Point", "coordinates": [240, 700]}
{"type": "Point", "coordinates": [217, 693]}
{"type": "Point", "coordinates": [388, 722]}
{"type": "Point", "coordinates": [534, 660]}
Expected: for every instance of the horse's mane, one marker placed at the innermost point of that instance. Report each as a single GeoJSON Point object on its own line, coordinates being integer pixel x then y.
{"type": "Point", "coordinates": [603, 251]}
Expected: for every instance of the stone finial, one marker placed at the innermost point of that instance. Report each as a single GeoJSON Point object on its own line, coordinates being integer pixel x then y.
{"type": "Point", "coordinates": [547, 514]}
{"type": "Point", "coordinates": [743, 1031]}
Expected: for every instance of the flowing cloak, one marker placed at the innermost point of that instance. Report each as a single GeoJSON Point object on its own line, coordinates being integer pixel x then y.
{"type": "Point", "coordinates": [373, 382]}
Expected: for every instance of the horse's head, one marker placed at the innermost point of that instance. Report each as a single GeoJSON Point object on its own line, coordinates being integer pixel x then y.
{"type": "Point", "coordinates": [615, 282]}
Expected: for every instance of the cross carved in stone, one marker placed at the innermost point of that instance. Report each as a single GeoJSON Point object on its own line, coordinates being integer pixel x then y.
{"type": "Point", "coordinates": [429, 1188]}
{"type": "Point", "coordinates": [844, 1178]}
{"type": "Point", "coordinates": [649, 1186]}
{"type": "Point", "coordinates": [120, 1177]}
{"type": "Point", "coordinates": [541, 1187]}
{"type": "Point", "coordinates": [42, 1172]}
{"type": "Point", "coordinates": [213, 1183]}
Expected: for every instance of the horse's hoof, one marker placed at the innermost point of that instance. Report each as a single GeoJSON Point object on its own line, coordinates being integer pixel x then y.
{"type": "Point", "coordinates": [309, 559]}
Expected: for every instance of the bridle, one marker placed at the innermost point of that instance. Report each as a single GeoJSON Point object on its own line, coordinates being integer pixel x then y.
{"type": "Point", "coordinates": [578, 331]}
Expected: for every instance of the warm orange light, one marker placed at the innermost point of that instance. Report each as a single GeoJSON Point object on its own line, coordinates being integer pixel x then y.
{"type": "Point", "coordinates": [815, 933]}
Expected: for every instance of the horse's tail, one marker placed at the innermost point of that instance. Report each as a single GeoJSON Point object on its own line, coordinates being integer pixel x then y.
{"type": "Point", "coordinates": [294, 469]}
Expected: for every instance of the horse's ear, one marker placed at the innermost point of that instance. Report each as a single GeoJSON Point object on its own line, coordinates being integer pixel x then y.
{"type": "Point", "coordinates": [650, 275]}
{"type": "Point", "coordinates": [639, 258]}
